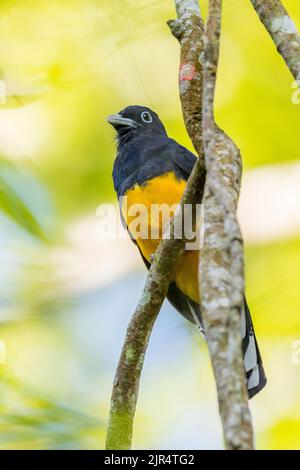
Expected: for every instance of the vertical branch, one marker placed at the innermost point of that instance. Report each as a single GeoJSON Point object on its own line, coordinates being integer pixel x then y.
{"type": "Point", "coordinates": [188, 29]}
{"type": "Point", "coordinates": [282, 30]}
{"type": "Point", "coordinates": [221, 261]}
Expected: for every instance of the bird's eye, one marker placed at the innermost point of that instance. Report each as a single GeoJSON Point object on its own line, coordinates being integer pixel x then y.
{"type": "Point", "coordinates": [146, 117]}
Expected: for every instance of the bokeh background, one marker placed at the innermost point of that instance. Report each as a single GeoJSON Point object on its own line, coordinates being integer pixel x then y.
{"type": "Point", "coordinates": [66, 295]}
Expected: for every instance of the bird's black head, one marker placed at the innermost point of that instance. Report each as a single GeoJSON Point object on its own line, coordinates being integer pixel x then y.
{"type": "Point", "coordinates": [134, 120]}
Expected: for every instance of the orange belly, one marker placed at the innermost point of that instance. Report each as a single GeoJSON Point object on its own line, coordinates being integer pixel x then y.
{"type": "Point", "coordinates": [141, 212]}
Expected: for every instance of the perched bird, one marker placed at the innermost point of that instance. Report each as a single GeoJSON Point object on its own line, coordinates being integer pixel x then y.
{"type": "Point", "coordinates": [152, 169]}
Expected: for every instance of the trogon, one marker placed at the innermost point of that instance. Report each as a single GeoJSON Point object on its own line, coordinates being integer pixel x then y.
{"type": "Point", "coordinates": [152, 169]}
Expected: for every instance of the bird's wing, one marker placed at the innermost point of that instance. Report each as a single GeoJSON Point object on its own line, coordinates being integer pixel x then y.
{"type": "Point", "coordinates": [182, 159]}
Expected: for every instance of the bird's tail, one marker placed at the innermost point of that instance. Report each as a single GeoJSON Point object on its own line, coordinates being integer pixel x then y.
{"type": "Point", "coordinates": [256, 379]}
{"type": "Point", "coordinates": [254, 371]}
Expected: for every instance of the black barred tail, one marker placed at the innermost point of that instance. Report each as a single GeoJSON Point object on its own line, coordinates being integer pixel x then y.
{"type": "Point", "coordinates": [255, 375]}
{"type": "Point", "coordinates": [256, 379]}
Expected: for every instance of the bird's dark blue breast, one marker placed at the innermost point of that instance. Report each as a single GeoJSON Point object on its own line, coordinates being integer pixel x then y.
{"type": "Point", "coordinates": [147, 156]}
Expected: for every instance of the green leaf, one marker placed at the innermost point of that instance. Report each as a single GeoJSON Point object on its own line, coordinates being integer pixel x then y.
{"type": "Point", "coordinates": [15, 208]}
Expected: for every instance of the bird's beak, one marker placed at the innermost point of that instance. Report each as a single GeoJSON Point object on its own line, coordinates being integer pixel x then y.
{"type": "Point", "coordinates": [118, 120]}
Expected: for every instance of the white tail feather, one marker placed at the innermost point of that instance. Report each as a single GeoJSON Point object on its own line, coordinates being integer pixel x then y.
{"type": "Point", "coordinates": [195, 317]}
{"type": "Point", "coordinates": [253, 380]}
{"type": "Point", "coordinates": [250, 357]}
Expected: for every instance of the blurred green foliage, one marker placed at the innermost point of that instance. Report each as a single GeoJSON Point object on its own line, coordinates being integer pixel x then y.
{"type": "Point", "coordinates": [13, 204]}
{"type": "Point", "coordinates": [31, 420]}
{"type": "Point", "coordinates": [66, 66]}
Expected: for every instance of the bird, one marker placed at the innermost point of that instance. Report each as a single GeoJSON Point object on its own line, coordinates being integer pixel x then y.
{"type": "Point", "coordinates": [151, 169]}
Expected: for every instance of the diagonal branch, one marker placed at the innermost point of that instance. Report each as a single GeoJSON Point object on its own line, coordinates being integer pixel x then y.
{"type": "Point", "coordinates": [282, 30]}
{"type": "Point", "coordinates": [127, 378]}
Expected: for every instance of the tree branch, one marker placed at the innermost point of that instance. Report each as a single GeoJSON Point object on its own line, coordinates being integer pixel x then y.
{"type": "Point", "coordinates": [126, 382]}
{"type": "Point", "coordinates": [282, 30]}
{"type": "Point", "coordinates": [188, 28]}
{"type": "Point", "coordinates": [221, 261]}
{"type": "Point", "coordinates": [127, 378]}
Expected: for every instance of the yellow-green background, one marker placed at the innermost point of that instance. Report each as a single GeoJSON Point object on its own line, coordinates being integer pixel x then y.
{"type": "Point", "coordinates": [67, 65]}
